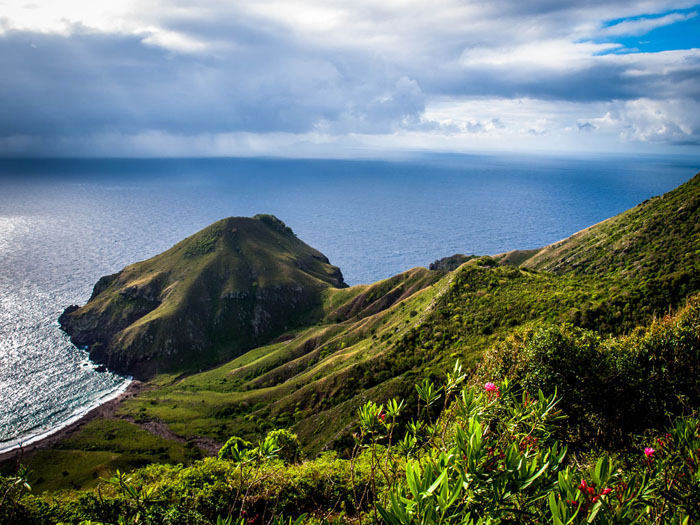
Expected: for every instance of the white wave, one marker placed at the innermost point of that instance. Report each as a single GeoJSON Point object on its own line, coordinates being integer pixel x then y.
{"type": "Point", "coordinates": [33, 437]}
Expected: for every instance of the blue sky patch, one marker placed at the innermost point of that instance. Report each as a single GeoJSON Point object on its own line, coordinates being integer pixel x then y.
{"type": "Point", "coordinates": [680, 30]}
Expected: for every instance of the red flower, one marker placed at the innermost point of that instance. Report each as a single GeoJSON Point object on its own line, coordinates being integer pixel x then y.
{"type": "Point", "coordinates": [583, 486]}
{"type": "Point", "coordinates": [606, 491]}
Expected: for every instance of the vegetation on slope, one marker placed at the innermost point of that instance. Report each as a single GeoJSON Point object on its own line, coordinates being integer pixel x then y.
{"type": "Point", "coordinates": [493, 451]}
{"type": "Point", "coordinates": [568, 323]}
{"type": "Point", "coordinates": [304, 373]}
{"type": "Point", "coordinates": [228, 288]}
{"type": "Point", "coordinates": [656, 239]}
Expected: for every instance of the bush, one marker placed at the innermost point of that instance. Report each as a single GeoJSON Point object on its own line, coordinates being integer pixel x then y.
{"type": "Point", "coordinates": [611, 387]}
{"type": "Point", "coordinates": [492, 459]}
{"type": "Point", "coordinates": [287, 444]}
{"type": "Point", "coordinates": [233, 445]}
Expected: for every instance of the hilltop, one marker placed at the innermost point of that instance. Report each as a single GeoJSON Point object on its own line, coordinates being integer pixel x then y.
{"type": "Point", "coordinates": [231, 287]}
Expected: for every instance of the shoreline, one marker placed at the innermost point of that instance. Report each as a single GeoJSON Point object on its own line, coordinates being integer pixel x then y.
{"type": "Point", "coordinates": [49, 438]}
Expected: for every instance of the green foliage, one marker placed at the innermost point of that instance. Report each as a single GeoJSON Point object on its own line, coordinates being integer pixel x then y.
{"type": "Point", "coordinates": [491, 456]}
{"type": "Point", "coordinates": [205, 241]}
{"type": "Point", "coordinates": [11, 490]}
{"type": "Point", "coordinates": [274, 223]}
{"type": "Point", "coordinates": [611, 387]}
{"type": "Point", "coordinates": [656, 239]}
{"type": "Point", "coordinates": [495, 460]}
{"type": "Point", "coordinates": [233, 448]}
{"type": "Point", "coordinates": [287, 445]}
{"type": "Point", "coordinates": [567, 340]}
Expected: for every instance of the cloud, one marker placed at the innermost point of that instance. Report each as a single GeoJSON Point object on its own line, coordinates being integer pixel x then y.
{"type": "Point", "coordinates": [641, 26]}
{"type": "Point", "coordinates": [219, 76]}
{"type": "Point", "coordinates": [667, 121]}
{"type": "Point", "coordinates": [104, 83]}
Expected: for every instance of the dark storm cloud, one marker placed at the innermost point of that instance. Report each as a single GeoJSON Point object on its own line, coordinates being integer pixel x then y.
{"type": "Point", "coordinates": [99, 83]}
{"type": "Point", "coordinates": [596, 82]}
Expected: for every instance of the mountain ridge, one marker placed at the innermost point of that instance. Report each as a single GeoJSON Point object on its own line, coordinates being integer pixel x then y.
{"type": "Point", "coordinates": [637, 238]}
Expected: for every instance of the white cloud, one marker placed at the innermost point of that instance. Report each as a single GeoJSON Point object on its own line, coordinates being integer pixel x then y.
{"type": "Point", "coordinates": [675, 121]}
{"type": "Point", "coordinates": [551, 54]}
{"type": "Point", "coordinates": [642, 26]}
{"type": "Point", "coordinates": [172, 40]}
{"type": "Point", "coordinates": [47, 16]}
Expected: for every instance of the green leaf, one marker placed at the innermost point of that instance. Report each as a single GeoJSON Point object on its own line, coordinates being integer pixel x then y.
{"type": "Point", "coordinates": [533, 478]}
{"type": "Point", "coordinates": [437, 482]}
{"type": "Point", "coordinates": [411, 476]}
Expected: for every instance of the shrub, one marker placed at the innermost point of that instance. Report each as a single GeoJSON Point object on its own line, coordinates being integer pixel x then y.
{"type": "Point", "coordinates": [611, 387]}
{"type": "Point", "coordinates": [287, 444]}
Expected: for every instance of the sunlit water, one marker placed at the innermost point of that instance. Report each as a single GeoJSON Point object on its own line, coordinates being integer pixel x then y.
{"type": "Point", "coordinates": [63, 224]}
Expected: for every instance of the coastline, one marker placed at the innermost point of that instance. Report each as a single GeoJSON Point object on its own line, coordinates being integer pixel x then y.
{"type": "Point", "coordinates": [51, 437]}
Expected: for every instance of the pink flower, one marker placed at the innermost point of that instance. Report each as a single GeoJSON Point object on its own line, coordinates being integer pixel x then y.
{"type": "Point", "coordinates": [490, 387]}
{"type": "Point", "coordinates": [649, 452]}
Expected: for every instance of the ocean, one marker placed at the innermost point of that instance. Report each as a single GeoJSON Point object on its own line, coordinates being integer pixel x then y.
{"type": "Point", "coordinates": [64, 223]}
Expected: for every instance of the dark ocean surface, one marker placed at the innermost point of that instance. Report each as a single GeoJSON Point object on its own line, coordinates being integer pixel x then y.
{"type": "Point", "coordinates": [65, 223]}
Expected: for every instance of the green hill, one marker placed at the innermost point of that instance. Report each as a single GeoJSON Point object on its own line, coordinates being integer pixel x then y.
{"type": "Point", "coordinates": [326, 353]}
{"type": "Point", "coordinates": [656, 238]}
{"type": "Point", "coordinates": [226, 289]}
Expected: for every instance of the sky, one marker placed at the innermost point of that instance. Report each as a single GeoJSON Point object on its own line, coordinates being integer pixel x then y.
{"type": "Point", "coordinates": [339, 78]}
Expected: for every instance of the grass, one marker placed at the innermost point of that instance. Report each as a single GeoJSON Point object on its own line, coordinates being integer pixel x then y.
{"type": "Point", "coordinates": [517, 457]}
{"type": "Point", "coordinates": [316, 375]}
{"type": "Point", "coordinates": [98, 449]}
{"type": "Point", "coordinates": [655, 238]}
{"type": "Point", "coordinates": [286, 382]}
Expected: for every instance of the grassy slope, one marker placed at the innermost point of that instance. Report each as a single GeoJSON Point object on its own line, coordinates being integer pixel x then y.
{"type": "Point", "coordinates": [308, 370]}
{"type": "Point", "coordinates": [224, 290]}
{"type": "Point", "coordinates": [652, 362]}
{"type": "Point", "coordinates": [657, 238]}
{"type": "Point", "coordinates": [373, 341]}
{"type": "Point", "coordinates": [101, 447]}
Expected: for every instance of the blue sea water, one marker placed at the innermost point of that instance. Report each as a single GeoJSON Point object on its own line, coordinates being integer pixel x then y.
{"type": "Point", "coordinates": [65, 223]}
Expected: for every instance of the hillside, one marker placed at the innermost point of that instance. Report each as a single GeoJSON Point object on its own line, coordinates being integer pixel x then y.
{"type": "Point", "coordinates": [656, 238]}
{"type": "Point", "coordinates": [373, 342]}
{"type": "Point", "coordinates": [498, 451]}
{"type": "Point", "coordinates": [228, 288]}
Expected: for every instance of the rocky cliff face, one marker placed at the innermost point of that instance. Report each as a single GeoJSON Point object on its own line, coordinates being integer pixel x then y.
{"type": "Point", "coordinates": [230, 287]}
